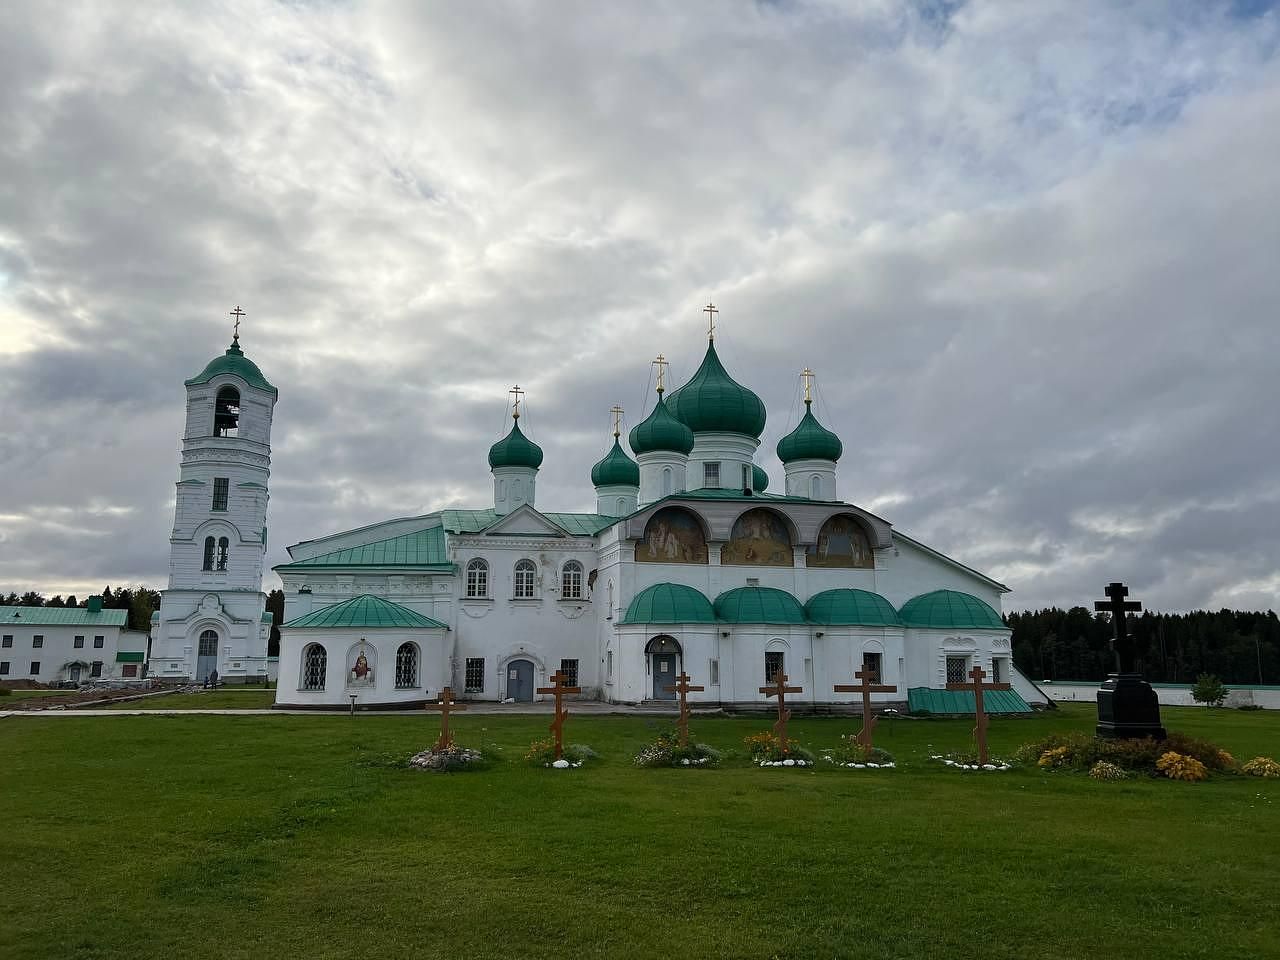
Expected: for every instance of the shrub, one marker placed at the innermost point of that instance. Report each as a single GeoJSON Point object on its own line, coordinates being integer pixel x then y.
{"type": "Point", "coordinates": [1081, 751]}
{"type": "Point", "coordinates": [1249, 706]}
{"type": "Point", "coordinates": [1209, 689]}
{"type": "Point", "coordinates": [766, 747]}
{"type": "Point", "coordinates": [851, 751]}
{"type": "Point", "coordinates": [451, 758]}
{"type": "Point", "coordinates": [542, 753]}
{"type": "Point", "coordinates": [1104, 770]}
{"type": "Point", "coordinates": [1262, 767]}
{"type": "Point", "coordinates": [667, 752]}
{"type": "Point", "coordinates": [5, 692]}
{"type": "Point", "coordinates": [1177, 766]}
{"type": "Point", "coordinates": [1056, 757]}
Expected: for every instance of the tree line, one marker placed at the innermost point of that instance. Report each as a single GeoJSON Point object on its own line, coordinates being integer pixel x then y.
{"type": "Point", "coordinates": [1239, 646]}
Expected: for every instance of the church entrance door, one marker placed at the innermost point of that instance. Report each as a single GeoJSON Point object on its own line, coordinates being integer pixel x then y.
{"type": "Point", "coordinates": [520, 681]}
{"type": "Point", "coordinates": [75, 673]}
{"type": "Point", "coordinates": [207, 660]}
{"type": "Point", "coordinates": [664, 675]}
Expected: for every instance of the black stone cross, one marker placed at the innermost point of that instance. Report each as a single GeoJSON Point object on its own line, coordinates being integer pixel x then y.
{"type": "Point", "coordinates": [1119, 608]}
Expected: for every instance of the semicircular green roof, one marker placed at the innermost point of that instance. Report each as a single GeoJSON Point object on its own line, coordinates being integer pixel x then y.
{"type": "Point", "coordinates": [849, 607]}
{"type": "Point", "coordinates": [235, 363]}
{"type": "Point", "coordinates": [758, 605]}
{"type": "Point", "coordinates": [515, 450]}
{"type": "Point", "coordinates": [615, 469]}
{"type": "Point", "coordinates": [661, 431]}
{"type": "Point", "coordinates": [365, 611]}
{"type": "Point", "coordinates": [759, 479]}
{"type": "Point", "coordinates": [810, 440]}
{"type": "Point", "coordinates": [669, 603]}
{"type": "Point", "coordinates": [713, 401]}
{"type": "Point", "coordinates": [950, 608]}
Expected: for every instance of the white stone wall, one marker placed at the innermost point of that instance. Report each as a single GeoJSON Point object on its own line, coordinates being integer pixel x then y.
{"type": "Point", "coordinates": [732, 451]}
{"type": "Point", "coordinates": [800, 477]}
{"type": "Point", "coordinates": [616, 500]}
{"type": "Point", "coordinates": [381, 645]}
{"type": "Point", "coordinates": [513, 487]}
{"type": "Point", "coordinates": [58, 651]}
{"type": "Point", "coordinates": [237, 619]}
{"type": "Point", "coordinates": [653, 466]}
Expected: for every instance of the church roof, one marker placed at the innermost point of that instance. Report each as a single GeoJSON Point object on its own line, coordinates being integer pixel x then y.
{"type": "Point", "coordinates": [62, 616]}
{"type": "Point", "coordinates": [713, 401]}
{"type": "Point", "coordinates": [235, 363]}
{"type": "Point", "coordinates": [950, 608]}
{"type": "Point", "coordinates": [669, 603]}
{"type": "Point", "coordinates": [365, 611]}
{"type": "Point", "coordinates": [758, 605]}
{"type": "Point", "coordinates": [929, 700]}
{"type": "Point", "coordinates": [759, 479]}
{"type": "Point", "coordinates": [847, 607]}
{"type": "Point", "coordinates": [661, 431]}
{"type": "Point", "coordinates": [423, 548]}
{"type": "Point", "coordinates": [810, 440]}
{"type": "Point", "coordinates": [474, 521]}
{"type": "Point", "coordinates": [615, 469]}
{"type": "Point", "coordinates": [515, 450]}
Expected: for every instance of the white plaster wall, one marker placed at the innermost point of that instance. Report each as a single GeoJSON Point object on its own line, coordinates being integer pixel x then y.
{"type": "Point", "coordinates": [433, 666]}
{"type": "Point", "coordinates": [1169, 695]}
{"type": "Point", "coordinates": [235, 617]}
{"type": "Point", "coordinates": [731, 450]}
{"type": "Point", "coordinates": [907, 571]}
{"type": "Point", "coordinates": [616, 500]}
{"type": "Point", "coordinates": [651, 466]}
{"type": "Point", "coordinates": [58, 650]}
{"type": "Point", "coordinates": [513, 487]}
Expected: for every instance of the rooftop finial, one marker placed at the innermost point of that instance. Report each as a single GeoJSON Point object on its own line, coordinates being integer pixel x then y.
{"type": "Point", "coordinates": [662, 364]}
{"type": "Point", "coordinates": [711, 310]}
{"type": "Point", "coordinates": [616, 410]}
{"type": "Point", "coordinates": [807, 376]}
{"type": "Point", "coordinates": [515, 407]}
{"type": "Point", "coordinates": [237, 313]}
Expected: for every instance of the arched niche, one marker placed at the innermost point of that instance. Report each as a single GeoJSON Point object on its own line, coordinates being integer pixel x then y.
{"type": "Point", "coordinates": [760, 538]}
{"type": "Point", "coordinates": [842, 542]}
{"type": "Point", "coordinates": [362, 664]}
{"type": "Point", "coordinates": [672, 535]}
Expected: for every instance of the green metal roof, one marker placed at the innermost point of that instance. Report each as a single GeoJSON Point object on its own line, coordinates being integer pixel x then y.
{"type": "Point", "coordinates": [474, 521]}
{"type": "Point", "coordinates": [758, 605]}
{"type": "Point", "coordinates": [515, 450]}
{"type": "Point", "coordinates": [961, 701]}
{"type": "Point", "coordinates": [130, 656]}
{"type": "Point", "coordinates": [615, 469]}
{"type": "Point", "coordinates": [365, 611]}
{"type": "Point", "coordinates": [847, 607]}
{"type": "Point", "coordinates": [713, 400]}
{"type": "Point", "coordinates": [582, 524]}
{"type": "Point", "coordinates": [237, 364]}
{"type": "Point", "coordinates": [62, 616]}
{"type": "Point", "coordinates": [759, 479]}
{"type": "Point", "coordinates": [669, 603]}
{"type": "Point", "coordinates": [950, 608]}
{"type": "Point", "coordinates": [424, 548]}
{"type": "Point", "coordinates": [810, 440]}
{"type": "Point", "coordinates": [661, 431]}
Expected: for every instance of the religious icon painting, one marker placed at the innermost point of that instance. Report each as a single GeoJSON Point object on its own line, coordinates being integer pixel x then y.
{"type": "Point", "coordinates": [672, 535]}
{"type": "Point", "coordinates": [842, 542]}
{"type": "Point", "coordinates": [759, 538]}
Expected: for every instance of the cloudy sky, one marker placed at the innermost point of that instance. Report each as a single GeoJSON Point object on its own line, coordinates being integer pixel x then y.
{"type": "Point", "coordinates": [1031, 250]}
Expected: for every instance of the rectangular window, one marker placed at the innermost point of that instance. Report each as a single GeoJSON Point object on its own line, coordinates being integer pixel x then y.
{"type": "Point", "coordinates": [7, 640]}
{"type": "Point", "coordinates": [130, 670]}
{"type": "Point", "coordinates": [97, 643]}
{"type": "Point", "coordinates": [35, 667]}
{"type": "Point", "coordinates": [997, 670]}
{"type": "Point", "coordinates": [475, 675]}
{"type": "Point", "coordinates": [746, 476]}
{"type": "Point", "coordinates": [221, 487]}
{"type": "Point", "coordinates": [608, 659]}
{"type": "Point", "coordinates": [957, 667]}
{"type": "Point", "coordinates": [96, 669]}
{"type": "Point", "coordinates": [772, 665]}
{"type": "Point", "coordinates": [711, 474]}
{"type": "Point", "coordinates": [570, 670]}
{"type": "Point", "coordinates": [871, 665]}
{"type": "Point", "coordinates": [714, 672]}
{"type": "Point", "coordinates": [4, 668]}
{"type": "Point", "coordinates": [78, 643]}
{"type": "Point", "coordinates": [37, 641]}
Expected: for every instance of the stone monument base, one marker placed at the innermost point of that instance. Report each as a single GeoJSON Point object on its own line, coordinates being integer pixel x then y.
{"type": "Point", "coordinates": [1128, 707]}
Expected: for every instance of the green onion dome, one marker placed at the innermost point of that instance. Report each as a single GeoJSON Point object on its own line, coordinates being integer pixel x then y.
{"type": "Point", "coordinates": [810, 440]}
{"type": "Point", "coordinates": [759, 479]}
{"type": "Point", "coordinates": [713, 401]}
{"type": "Point", "coordinates": [844, 606]}
{"type": "Point", "coordinates": [515, 450]}
{"type": "Point", "coordinates": [758, 605]}
{"type": "Point", "coordinates": [235, 363]}
{"type": "Point", "coordinates": [661, 431]}
{"type": "Point", "coordinates": [950, 609]}
{"type": "Point", "coordinates": [616, 469]}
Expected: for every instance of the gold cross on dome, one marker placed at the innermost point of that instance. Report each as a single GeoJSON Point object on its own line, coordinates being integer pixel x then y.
{"type": "Point", "coordinates": [711, 310]}
{"type": "Point", "coordinates": [617, 420]}
{"type": "Point", "coordinates": [237, 313]}
{"type": "Point", "coordinates": [515, 407]}
{"type": "Point", "coordinates": [807, 376]}
{"type": "Point", "coordinates": [661, 363]}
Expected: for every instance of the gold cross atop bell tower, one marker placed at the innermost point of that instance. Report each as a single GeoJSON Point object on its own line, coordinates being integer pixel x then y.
{"type": "Point", "coordinates": [807, 376]}
{"type": "Point", "coordinates": [517, 393]}
{"type": "Point", "coordinates": [711, 310]}
{"type": "Point", "coordinates": [661, 363]}
{"type": "Point", "coordinates": [617, 420]}
{"type": "Point", "coordinates": [237, 313]}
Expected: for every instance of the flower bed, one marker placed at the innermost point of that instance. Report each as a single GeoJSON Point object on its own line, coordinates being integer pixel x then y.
{"type": "Point", "coordinates": [766, 751]}
{"type": "Point", "coordinates": [852, 754]}
{"type": "Point", "coordinates": [452, 758]}
{"type": "Point", "coordinates": [542, 753]}
{"type": "Point", "coordinates": [1262, 767]}
{"type": "Point", "coordinates": [1177, 757]}
{"type": "Point", "coordinates": [666, 751]}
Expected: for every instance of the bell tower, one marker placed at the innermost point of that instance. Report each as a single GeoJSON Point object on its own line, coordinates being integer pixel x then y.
{"type": "Point", "coordinates": [213, 614]}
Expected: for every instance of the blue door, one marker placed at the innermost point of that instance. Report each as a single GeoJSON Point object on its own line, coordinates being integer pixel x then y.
{"type": "Point", "coordinates": [206, 655]}
{"type": "Point", "coordinates": [664, 675]}
{"type": "Point", "coordinates": [520, 681]}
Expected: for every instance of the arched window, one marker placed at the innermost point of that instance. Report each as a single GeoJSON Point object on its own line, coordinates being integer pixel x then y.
{"type": "Point", "coordinates": [516, 490]}
{"type": "Point", "coordinates": [571, 581]}
{"type": "Point", "coordinates": [208, 554]}
{"type": "Point", "coordinates": [407, 665]}
{"type": "Point", "coordinates": [478, 578]}
{"type": "Point", "coordinates": [208, 644]}
{"type": "Point", "coordinates": [815, 487]}
{"type": "Point", "coordinates": [314, 664]}
{"type": "Point", "coordinates": [525, 575]}
{"type": "Point", "coordinates": [226, 413]}
{"type": "Point", "coordinates": [621, 510]}
{"type": "Point", "coordinates": [223, 546]}
{"type": "Point", "coordinates": [666, 481]}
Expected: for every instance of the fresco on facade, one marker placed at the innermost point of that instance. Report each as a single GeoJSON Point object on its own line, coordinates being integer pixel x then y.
{"type": "Point", "coordinates": [759, 537]}
{"type": "Point", "coordinates": [672, 536]}
{"type": "Point", "coordinates": [842, 542]}
{"type": "Point", "coordinates": [360, 661]}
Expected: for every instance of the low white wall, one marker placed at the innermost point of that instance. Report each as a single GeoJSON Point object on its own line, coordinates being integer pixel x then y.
{"type": "Point", "coordinates": [1169, 694]}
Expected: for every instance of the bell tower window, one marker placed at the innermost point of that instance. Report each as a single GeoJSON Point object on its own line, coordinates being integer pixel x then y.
{"type": "Point", "coordinates": [711, 475]}
{"type": "Point", "coordinates": [223, 546]}
{"type": "Point", "coordinates": [226, 413]}
{"type": "Point", "coordinates": [221, 491]}
{"type": "Point", "coordinates": [208, 554]}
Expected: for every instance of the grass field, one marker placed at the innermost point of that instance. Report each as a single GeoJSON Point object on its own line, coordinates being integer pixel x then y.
{"type": "Point", "coordinates": [287, 836]}
{"type": "Point", "coordinates": [226, 698]}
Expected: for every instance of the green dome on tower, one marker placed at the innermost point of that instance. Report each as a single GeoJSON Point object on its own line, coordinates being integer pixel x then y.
{"type": "Point", "coordinates": [810, 440]}
{"type": "Point", "coordinates": [616, 469]}
{"type": "Point", "coordinates": [235, 363]}
{"type": "Point", "coordinates": [713, 401]}
{"type": "Point", "coordinates": [661, 431]}
{"type": "Point", "coordinates": [515, 450]}
{"type": "Point", "coordinates": [759, 479]}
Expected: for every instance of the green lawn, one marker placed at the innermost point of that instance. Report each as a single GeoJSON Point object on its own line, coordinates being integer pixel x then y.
{"type": "Point", "coordinates": [224, 698]}
{"type": "Point", "coordinates": [287, 836]}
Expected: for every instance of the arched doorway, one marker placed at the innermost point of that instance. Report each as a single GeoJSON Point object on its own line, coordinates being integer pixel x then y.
{"type": "Point", "coordinates": [75, 673]}
{"type": "Point", "coordinates": [207, 655]}
{"type": "Point", "coordinates": [520, 681]}
{"type": "Point", "coordinates": [664, 655]}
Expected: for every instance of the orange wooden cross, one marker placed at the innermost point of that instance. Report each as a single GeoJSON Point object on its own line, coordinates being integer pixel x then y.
{"type": "Point", "coordinates": [683, 688]}
{"type": "Point", "coordinates": [559, 687]}
{"type": "Point", "coordinates": [446, 705]}
{"type": "Point", "coordinates": [977, 686]}
{"type": "Point", "coordinates": [780, 690]}
{"type": "Point", "coordinates": [867, 687]}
